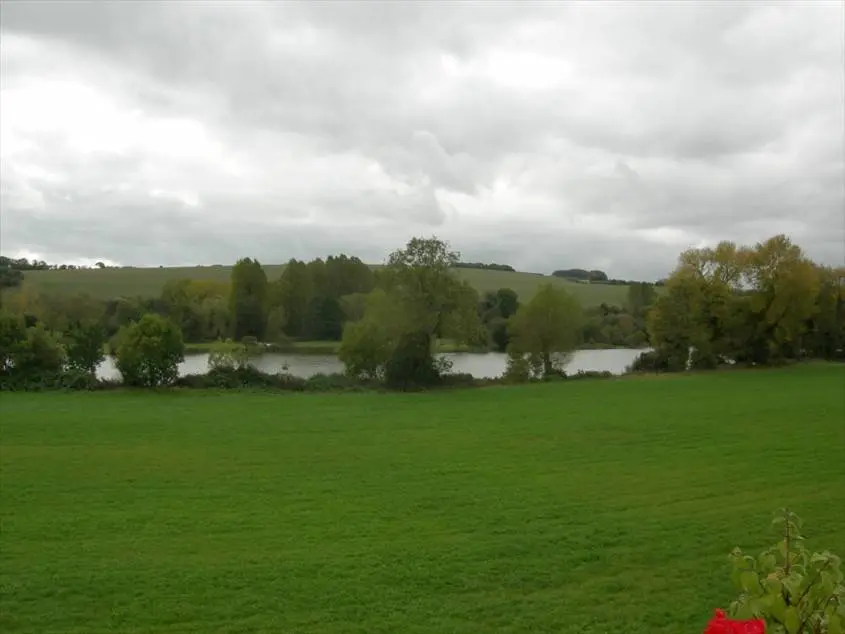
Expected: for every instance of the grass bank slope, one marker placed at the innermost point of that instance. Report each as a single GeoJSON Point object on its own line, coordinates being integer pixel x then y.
{"type": "Point", "coordinates": [593, 506]}
{"type": "Point", "coordinates": [148, 282]}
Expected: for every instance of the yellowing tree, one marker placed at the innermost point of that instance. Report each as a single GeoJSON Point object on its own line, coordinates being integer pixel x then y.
{"type": "Point", "coordinates": [783, 285]}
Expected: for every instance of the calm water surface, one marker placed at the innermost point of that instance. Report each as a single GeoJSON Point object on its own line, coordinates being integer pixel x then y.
{"type": "Point", "coordinates": [489, 365]}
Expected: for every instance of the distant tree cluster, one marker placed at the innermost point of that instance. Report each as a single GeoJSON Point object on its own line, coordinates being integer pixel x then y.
{"type": "Point", "coordinates": [482, 265]}
{"type": "Point", "coordinates": [761, 304]}
{"type": "Point", "coordinates": [581, 275]}
{"type": "Point", "coordinates": [12, 269]}
{"type": "Point", "coordinates": [22, 264]}
{"type": "Point", "coordinates": [757, 305]}
{"type": "Point", "coordinates": [596, 277]}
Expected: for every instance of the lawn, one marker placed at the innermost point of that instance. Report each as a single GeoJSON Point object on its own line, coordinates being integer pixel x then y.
{"type": "Point", "coordinates": [589, 506]}
{"type": "Point", "coordinates": [148, 282]}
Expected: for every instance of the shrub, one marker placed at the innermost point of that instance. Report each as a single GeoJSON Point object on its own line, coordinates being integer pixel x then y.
{"type": "Point", "coordinates": [650, 361]}
{"type": "Point", "coordinates": [12, 333]}
{"type": "Point", "coordinates": [364, 350]}
{"type": "Point", "coordinates": [59, 380]}
{"type": "Point", "coordinates": [85, 347]}
{"type": "Point", "coordinates": [38, 353]}
{"type": "Point", "coordinates": [243, 377]}
{"type": "Point", "coordinates": [793, 590]}
{"type": "Point", "coordinates": [228, 355]}
{"type": "Point", "coordinates": [149, 352]}
{"type": "Point", "coordinates": [590, 374]}
{"type": "Point", "coordinates": [459, 379]}
{"type": "Point", "coordinates": [335, 382]}
{"type": "Point", "coordinates": [413, 365]}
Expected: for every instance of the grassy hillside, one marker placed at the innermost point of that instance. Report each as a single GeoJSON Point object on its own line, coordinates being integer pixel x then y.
{"type": "Point", "coordinates": [592, 506]}
{"type": "Point", "coordinates": [109, 283]}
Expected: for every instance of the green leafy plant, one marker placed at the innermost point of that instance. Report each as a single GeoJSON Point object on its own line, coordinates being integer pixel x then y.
{"type": "Point", "coordinates": [794, 590]}
{"type": "Point", "coordinates": [228, 355]}
{"type": "Point", "coordinates": [149, 352]}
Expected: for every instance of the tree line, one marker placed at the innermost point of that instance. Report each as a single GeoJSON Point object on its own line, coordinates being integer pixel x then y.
{"type": "Point", "coordinates": [758, 305]}
{"type": "Point", "coordinates": [596, 277]}
{"type": "Point", "coordinates": [310, 301]}
{"type": "Point", "coordinates": [486, 267]}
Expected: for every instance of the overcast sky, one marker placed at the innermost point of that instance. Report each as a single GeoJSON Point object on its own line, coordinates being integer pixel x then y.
{"type": "Point", "coordinates": [599, 135]}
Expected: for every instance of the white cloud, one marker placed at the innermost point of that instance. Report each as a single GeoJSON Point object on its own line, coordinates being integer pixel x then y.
{"type": "Point", "coordinates": [540, 135]}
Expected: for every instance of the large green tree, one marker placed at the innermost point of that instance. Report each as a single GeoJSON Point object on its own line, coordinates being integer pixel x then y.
{"type": "Point", "coordinates": [421, 299]}
{"type": "Point", "coordinates": [84, 343]}
{"type": "Point", "coordinates": [149, 352]}
{"type": "Point", "coordinates": [248, 299]}
{"type": "Point", "coordinates": [825, 336]}
{"type": "Point", "coordinates": [745, 304]}
{"type": "Point", "coordinates": [784, 286]}
{"type": "Point", "coordinates": [543, 333]}
{"type": "Point", "coordinates": [294, 290]}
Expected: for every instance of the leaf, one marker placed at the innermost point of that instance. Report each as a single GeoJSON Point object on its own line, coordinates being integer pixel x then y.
{"type": "Point", "coordinates": [744, 611]}
{"type": "Point", "coordinates": [791, 620]}
{"type": "Point", "coordinates": [835, 625]}
{"type": "Point", "coordinates": [767, 562]}
{"type": "Point", "coordinates": [749, 581]}
{"type": "Point", "coordinates": [773, 585]}
{"type": "Point", "coordinates": [778, 608]}
{"type": "Point", "coordinates": [820, 558]}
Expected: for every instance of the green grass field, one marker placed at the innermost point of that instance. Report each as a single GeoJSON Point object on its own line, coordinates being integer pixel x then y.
{"type": "Point", "coordinates": [110, 283]}
{"type": "Point", "coordinates": [589, 507]}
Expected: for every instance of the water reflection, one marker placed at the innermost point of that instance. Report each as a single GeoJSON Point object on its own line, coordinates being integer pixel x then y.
{"type": "Point", "coordinates": [489, 365]}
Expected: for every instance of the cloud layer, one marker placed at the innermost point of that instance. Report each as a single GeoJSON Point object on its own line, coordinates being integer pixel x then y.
{"type": "Point", "coordinates": [542, 135]}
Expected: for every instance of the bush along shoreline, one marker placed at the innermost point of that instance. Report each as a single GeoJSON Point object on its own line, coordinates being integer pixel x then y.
{"type": "Point", "coordinates": [720, 308]}
{"type": "Point", "coordinates": [250, 378]}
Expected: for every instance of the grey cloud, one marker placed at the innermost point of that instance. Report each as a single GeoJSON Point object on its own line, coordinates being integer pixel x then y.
{"type": "Point", "coordinates": [708, 120]}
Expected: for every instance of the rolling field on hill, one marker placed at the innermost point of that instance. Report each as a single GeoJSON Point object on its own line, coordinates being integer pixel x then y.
{"type": "Point", "coordinates": [148, 282]}
{"type": "Point", "coordinates": [570, 507]}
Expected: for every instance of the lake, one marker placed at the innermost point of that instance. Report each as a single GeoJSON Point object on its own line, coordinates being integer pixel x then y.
{"type": "Point", "coordinates": [481, 366]}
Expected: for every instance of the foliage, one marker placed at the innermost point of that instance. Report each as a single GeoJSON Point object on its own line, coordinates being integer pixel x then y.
{"type": "Point", "coordinates": [85, 343]}
{"type": "Point", "coordinates": [248, 299]}
{"type": "Point", "coordinates": [826, 328]}
{"type": "Point", "coordinates": [276, 320]}
{"type": "Point", "coordinates": [294, 290]}
{"type": "Point", "coordinates": [324, 319]}
{"type": "Point", "coordinates": [494, 309]}
{"type": "Point", "coordinates": [606, 325]}
{"type": "Point", "coordinates": [793, 590]}
{"type": "Point", "coordinates": [784, 286]}
{"type": "Point", "coordinates": [12, 332]}
{"type": "Point", "coordinates": [39, 352]}
{"type": "Point", "coordinates": [199, 307]}
{"type": "Point", "coordinates": [412, 363]}
{"type": "Point", "coordinates": [649, 361]}
{"type": "Point", "coordinates": [149, 352]}
{"type": "Point", "coordinates": [483, 266]}
{"type": "Point", "coordinates": [420, 300]}
{"type": "Point", "coordinates": [147, 283]}
{"type": "Point", "coordinates": [22, 264]}
{"type": "Point", "coordinates": [581, 274]}
{"type": "Point", "coordinates": [641, 296]}
{"type": "Point", "coordinates": [543, 334]}
{"type": "Point", "coordinates": [742, 304]}
{"type": "Point", "coordinates": [228, 355]}
{"type": "Point", "coordinates": [9, 277]}
{"type": "Point", "coordinates": [368, 344]}
{"type": "Point", "coordinates": [353, 305]}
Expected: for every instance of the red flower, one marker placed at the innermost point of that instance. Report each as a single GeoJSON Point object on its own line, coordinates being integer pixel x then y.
{"type": "Point", "coordinates": [719, 624]}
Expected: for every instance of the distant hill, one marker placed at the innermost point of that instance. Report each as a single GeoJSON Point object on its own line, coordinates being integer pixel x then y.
{"type": "Point", "coordinates": [148, 282]}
